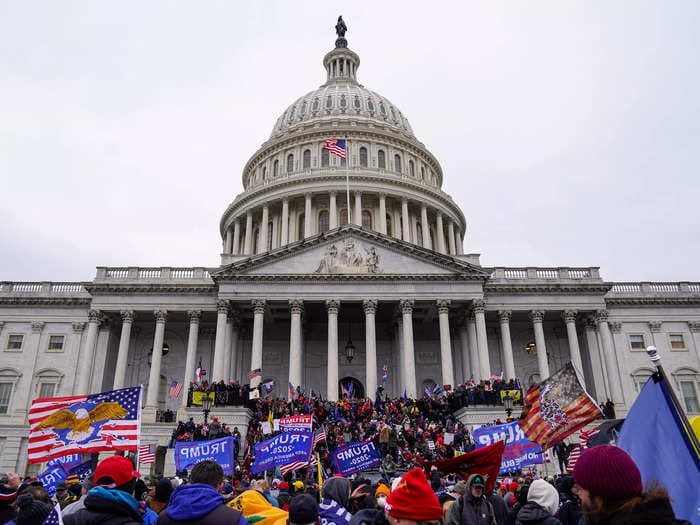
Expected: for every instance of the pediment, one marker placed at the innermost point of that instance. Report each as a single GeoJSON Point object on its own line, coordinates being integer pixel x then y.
{"type": "Point", "coordinates": [351, 252]}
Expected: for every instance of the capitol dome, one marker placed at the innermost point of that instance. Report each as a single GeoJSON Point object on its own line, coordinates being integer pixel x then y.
{"type": "Point", "coordinates": [389, 182]}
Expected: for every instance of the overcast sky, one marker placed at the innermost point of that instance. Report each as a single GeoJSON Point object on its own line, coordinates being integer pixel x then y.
{"type": "Point", "coordinates": [568, 132]}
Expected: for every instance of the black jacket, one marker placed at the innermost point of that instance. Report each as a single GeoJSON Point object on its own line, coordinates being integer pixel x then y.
{"type": "Point", "coordinates": [105, 511]}
{"type": "Point", "coordinates": [221, 515]}
{"type": "Point", "coordinates": [655, 509]}
{"type": "Point", "coordinates": [533, 514]}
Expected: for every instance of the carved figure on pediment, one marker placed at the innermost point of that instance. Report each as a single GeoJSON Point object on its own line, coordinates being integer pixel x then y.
{"type": "Point", "coordinates": [372, 260]}
{"type": "Point", "coordinates": [350, 257]}
{"type": "Point", "coordinates": [329, 263]}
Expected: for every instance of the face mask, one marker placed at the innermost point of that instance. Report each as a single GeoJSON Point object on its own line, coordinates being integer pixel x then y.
{"type": "Point", "coordinates": [381, 500]}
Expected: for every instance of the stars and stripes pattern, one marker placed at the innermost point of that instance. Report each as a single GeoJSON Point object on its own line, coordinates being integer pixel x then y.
{"type": "Point", "coordinates": [336, 147]}
{"type": "Point", "coordinates": [255, 373]}
{"type": "Point", "coordinates": [147, 454]}
{"type": "Point", "coordinates": [175, 389]}
{"type": "Point", "coordinates": [111, 434]}
{"type": "Point", "coordinates": [385, 373]}
{"type": "Point", "coordinates": [319, 436]}
{"type": "Point", "coordinates": [291, 467]}
{"type": "Point", "coordinates": [200, 372]}
{"type": "Point", "coordinates": [54, 517]}
{"type": "Point", "coordinates": [577, 451]}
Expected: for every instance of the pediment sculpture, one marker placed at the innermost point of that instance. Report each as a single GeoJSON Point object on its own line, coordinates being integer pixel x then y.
{"type": "Point", "coordinates": [349, 260]}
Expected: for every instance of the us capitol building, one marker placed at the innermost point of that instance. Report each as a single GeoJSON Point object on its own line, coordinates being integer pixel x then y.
{"type": "Point", "coordinates": [317, 291]}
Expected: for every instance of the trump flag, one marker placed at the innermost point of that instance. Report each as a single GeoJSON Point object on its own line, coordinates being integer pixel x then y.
{"type": "Point", "coordinates": [59, 426]}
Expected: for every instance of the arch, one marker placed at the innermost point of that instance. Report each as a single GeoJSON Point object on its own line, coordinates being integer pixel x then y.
{"type": "Point", "coordinates": [363, 157]}
{"type": "Point", "coordinates": [358, 389]}
{"type": "Point", "coordinates": [8, 382]}
{"type": "Point", "coordinates": [323, 222]}
{"type": "Point", "coordinates": [325, 158]}
{"type": "Point", "coordinates": [47, 382]}
{"type": "Point", "coordinates": [290, 163]}
{"type": "Point", "coordinates": [397, 163]}
{"type": "Point", "coordinates": [687, 381]}
{"type": "Point", "coordinates": [411, 169]}
{"type": "Point", "coordinates": [381, 159]}
{"type": "Point", "coordinates": [640, 377]}
{"type": "Point", "coordinates": [276, 168]}
{"type": "Point", "coordinates": [366, 219]}
{"type": "Point", "coordinates": [422, 173]}
{"type": "Point", "coordinates": [307, 158]}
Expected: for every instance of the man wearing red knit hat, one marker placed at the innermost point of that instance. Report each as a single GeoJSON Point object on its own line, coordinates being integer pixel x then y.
{"type": "Point", "coordinates": [413, 501]}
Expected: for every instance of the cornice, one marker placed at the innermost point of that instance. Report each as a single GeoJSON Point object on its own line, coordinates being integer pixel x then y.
{"type": "Point", "coordinates": [46, 301]}
{"type": "Point", "coordinates": [648, 301]}
{"type": "Point", "coordinates": [151, 288]}
{"type": "Point", "coordinates": [288, 278]}
{"type": "Point", "coordinates": [546, 288]}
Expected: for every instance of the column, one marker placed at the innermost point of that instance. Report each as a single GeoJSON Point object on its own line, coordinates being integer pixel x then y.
{"type": "Point", "coordinates": [451, 237]}
{"type": "Point", "coordinates": [382, 213]}
{"type": "Point", "coordinates": [228, 241]}
{"type": "Point", "coordinates": [443, 306]}
{"type": "Point", "coordinates": [190, 360]}
{"type": "Point", "coordinates": [226, 361]}
{"type": "Point", "coordinates": [458, 242]}
{"type": "Point", "coordinates": [399, 370]}
{"type": "Point", "coordinates": [234, 366]}
{"type": "Point", "coordinates": [217, 366]}
{"type": "Point", "coordinates": [506, 344]}
{"type": "Point", "coordinates": [123, 353]}
{"type": "Point", "coordinates": [370, 308]}
{"type": "Point", "coordinates": [601, 317]}
{"type": "Point", "coordinates": [537, 318]}
{"type": "Point", "coordinates": [307, 215]}
{"type": "Point", "coordinates": [464, 345]}
{"type": "Point", "coordinates": [439, 233]}
{"type": "Point", "coordinates": [597, 369]}
{"type": "Point", "coordinates": [285, 222]}
{"type": "Point", "coordinates": [404, 219]}
{"type": "Point", "coordinates": [85, 364]}
{"type": "Point", "coordinates": [358, 208]}
{"type": "Point", "coordinates": [426, 228]}
{"type": "Point", "coordinates": [257, 350]}
{"type": "Point", "coordinates": [296, 307]}
{"type": "Point", "coordinates": [248, 241]}
{"type": "Point", "coordinates": [154, 375]}
{"type": "Point", "coordinates": [236, 247]}
{"type": "Point", "coordinates": [569, 317]}
{"type": "Point", "coordinates": [262, 245]}
{"type": "Point", "coordinates": [332, 211]}
{"type": "Point", "coordinates": [409, 358]}
{"type": "Point", "coordinates": [332, 305]}
{"type": "Point", "coordinates": [481, 338]}
{"type": "Point", "coordinates": [473, 346]}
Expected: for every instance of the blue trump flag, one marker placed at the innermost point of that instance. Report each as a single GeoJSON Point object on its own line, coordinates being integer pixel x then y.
{"type": "Point", "coordinates": [189, 453]}
{"type": "Point", "coordinates": [287, 447]}
{"type": "Point", "coordinates": [655, 438]}
{"type": "Point", "coordinates": [356, 457]}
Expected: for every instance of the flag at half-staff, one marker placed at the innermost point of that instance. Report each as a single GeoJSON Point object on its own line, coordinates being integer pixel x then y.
{"type": "Point", "coordinates": [556, 408]}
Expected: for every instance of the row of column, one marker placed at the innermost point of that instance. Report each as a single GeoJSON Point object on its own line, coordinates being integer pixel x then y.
{"type": "Point", "coordinates": [402, 226]}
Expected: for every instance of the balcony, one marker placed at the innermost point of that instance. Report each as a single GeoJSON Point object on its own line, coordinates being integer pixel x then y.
{"type": "Point", "coordinates": [165, 275]}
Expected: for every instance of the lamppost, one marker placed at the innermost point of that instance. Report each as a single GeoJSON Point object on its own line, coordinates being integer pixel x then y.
{"type": "Point", "coordinates": [349, 347]}
{"type": "Point", "coordinates": [508, 405]}
{"type": "Point", "coordinates": [206, 407]}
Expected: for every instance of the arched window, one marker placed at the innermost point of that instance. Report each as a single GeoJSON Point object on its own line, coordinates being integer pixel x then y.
{"type": "Point", "coordinates": [300, 227]}
{"type": "Point", "coordinates": [323, 221]}
{"type": "Point", "coordinates": [276, 168]}
{"type": "Point", "coordinates": [422, 173]}
{"type": "Point", "coordinates": [8, 382]}
{"type": "Point", "coordinates": [366, 219]}
{"type": "Point", "coordinates": [269, 236]}
{"type": "Point", "coordinates": [290, 163]}
{"type": "Point", "coordinates": [640, 376]}
{"type": "Point", "coordinates": [419, 234]}
{"type": "Point", "coordinates": [325, 158]}
{"type": "Point", "coordinates": [397, 164]}
{"type": "Point", "coordinates": [411, 169]}
{"type": "Point", "coordinates": [381, 159]}
{"type": "Point", "coordinates": [47, 382]}
{"type": "Point", "coordinates": [389, 228]}
{"type": "Point", "coordinates": [688, 382]}
{"type": "Point", "coordinates": [363, 157]}
{"type": "Point", "coordinates": [343, 216]}
{"type": "Point", "coordinates": [307, 158]}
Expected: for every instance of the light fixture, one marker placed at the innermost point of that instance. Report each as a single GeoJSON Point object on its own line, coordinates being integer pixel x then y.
{"type": "Point", "coordinates": [206, 407]}
{"type": "Point", "coordinates": [508, 404]}
{"type": "Point", "coordinates": [349, 347]}
{"type": "Point", "coordinates": [531, 347]}
{"type": "Point", "coordinates": [166, 349]}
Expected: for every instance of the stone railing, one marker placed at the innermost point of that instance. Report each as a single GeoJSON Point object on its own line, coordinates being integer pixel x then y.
{"type": "Point", "coordinates": [165, 273]}
{"type": "Point", "coordinates": [538, 274]}
{"type": "Point", "coordinates": [43, 289]}
{"type": "Point", "coordinates": [648, 289]}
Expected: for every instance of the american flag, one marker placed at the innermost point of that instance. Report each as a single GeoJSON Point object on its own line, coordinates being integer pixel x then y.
{"type": "Point", "coordinates": [291, 467]}
{"type": "Point", "coordinates": [255, 373]}
{"type": "Point", "coordinates": [147, 454]}
{"type": "Point", "coordinates": [336, 147]}
{"type": "Point", "coordinates": [292, 392]}
{"type": "Point", "coordinates": [385, 373]}
{"type": "Point", "coordinates": [113, 423]}
{"type": "Point", "coordinates": [319, 435]}
{"type": "Point", "coordinates": [577, 451]}
{"type": "Point", "coordinates": [175, 389]}
{"type": "Point", "coordinates": [200, 372]}
{"type": "Point", "coordinates": [54, 518]}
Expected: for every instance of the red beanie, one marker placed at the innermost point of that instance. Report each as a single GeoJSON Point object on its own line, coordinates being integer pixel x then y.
{"type": "Point", "coordinates": [413, 499]}
{"type": "Point", "coordinates": [608, 471]}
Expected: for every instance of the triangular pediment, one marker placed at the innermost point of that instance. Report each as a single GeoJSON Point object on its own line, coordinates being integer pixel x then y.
{"type": "Point", "coordinates": [352, 252]}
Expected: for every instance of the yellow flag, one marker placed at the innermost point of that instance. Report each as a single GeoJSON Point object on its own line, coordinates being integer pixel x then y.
{"type": "Point", "coordinates": [256, 509]}
{"type": "Point", "coordinates": [270, 419]}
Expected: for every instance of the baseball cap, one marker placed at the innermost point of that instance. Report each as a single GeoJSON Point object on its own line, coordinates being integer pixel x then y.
{"type": "Point", "coordinates": [478, 481]}
{"type": "Point", "coordinates": [118, 468]}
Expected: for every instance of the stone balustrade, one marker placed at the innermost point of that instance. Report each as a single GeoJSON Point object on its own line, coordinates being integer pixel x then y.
{"type": "Point", "coordinates": [43, 289]}
{"type": "Point", "coordinates": [538, 274]}
{"type": "Point", "coordinates": [649, 289]}
{"type": "Point", "coordinates": [162, 274]}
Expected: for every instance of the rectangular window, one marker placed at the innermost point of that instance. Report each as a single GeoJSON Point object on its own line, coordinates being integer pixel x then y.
{"type": "Point", "coordinates": [5, 394]}
{"type": "Point", "coordinates": [690, 395]}
{"type": "Point", "coordinates": [47, 389]}
{"type": "Point", "coordinates": [637, 342]}
{"type": "Point", "coordinates": [677, 341]}
{"type": "Point", "coordinates": [14, 342]}
{"type": "Point", "coordinates": [56, 343]}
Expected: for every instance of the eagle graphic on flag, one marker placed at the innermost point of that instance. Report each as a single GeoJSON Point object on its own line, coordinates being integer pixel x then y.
{"type": "Point", "coordinates": [78, 419]}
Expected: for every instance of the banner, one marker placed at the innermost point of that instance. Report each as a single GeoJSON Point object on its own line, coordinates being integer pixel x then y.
{"type": "Point", "coordinates": [189, 453]}
{"type": "Point", "coordinates": [356, 457]}
{"type": "Point", "coordinates": [82, 471]}
{"type": "Point", "coordinates": [50, 478]}
{"type": "Point", "coordinates": [284, 448]}
{"type": "Point", "coordinates": [65, 462]}
{"type": "Point", "coordinates": [515, 395]}
{"type": "Point", "coordinates": [519, 451]}
{"type": "Point", "coordinates": [197, 397]}
{"type": "Point", "coordinates": [300, 422]}
{"type": "Point", "coordinates": [59, 426]}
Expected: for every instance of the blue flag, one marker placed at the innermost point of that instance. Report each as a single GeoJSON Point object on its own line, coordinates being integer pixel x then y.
{"type": "Point", "coordinates": [189, 453]}
{"type": "Point", "coordinates": [653, 435]}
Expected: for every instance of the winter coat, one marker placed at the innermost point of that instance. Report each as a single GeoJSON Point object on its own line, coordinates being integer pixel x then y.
{"type": "Point", "coordinates": [468, 510]}
{"type": "Point", "coordinates": [111, 507]}
{"type": "Point", "coordinates": [332, 513]}
{"type": "Point", "coordinates": [201, 504]}
{"type": "Point", "coordinates": [654, 509]}
{"type": "Point", "coordinates": [533, 514]}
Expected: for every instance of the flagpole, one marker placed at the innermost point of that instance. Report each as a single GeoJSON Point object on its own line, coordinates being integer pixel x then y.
{"type": "Point", "coordinates": [655, 358]}
{"type": "Point", "coordinates": [347, 175]}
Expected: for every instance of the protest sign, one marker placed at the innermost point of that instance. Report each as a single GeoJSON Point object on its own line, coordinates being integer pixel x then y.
{"type": "Point", "coordinates": [300, 422]}
{"type": "Point", "coordinates": [65, 462]}
{"type": "Point", "coordinates": [189, 453]}
{"type": "Point", "coordinates": [356, 457]}
{"type": "Point", "coordinates": [50, 478]}
{"type": "Point", "coordinates": [519, 451]}
{"type": "Point", "coordinates": [282, 449]}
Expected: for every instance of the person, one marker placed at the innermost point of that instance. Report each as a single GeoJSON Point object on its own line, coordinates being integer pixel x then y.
{"type": "Point", "coordinates": [569, 512]}
{"type": "Point", "coordinates": [473, 508]}
{"type": "Point", "coordinates": [85, 485]}
{"type": "Point", "coordinates": [8, 495]}
{"type": "Point", "coordinates": [200, 501]}
{"type": "Point", "coordinates": [112, 499]}
{"type": "Point", "coordinates": [413, 501]}
{"type": "Point", "coordinates": [159, 495]}
{"type": "Point", "coordinates": [542, 503]}
{"type": "Point", "coordinates": [303, 510]}
{"type": "Point", "coordinates": [335, 498]}
{"type": "Point", "coordinates": [609, 485]}
{"type": "Point", "coordinates": [31, 511]}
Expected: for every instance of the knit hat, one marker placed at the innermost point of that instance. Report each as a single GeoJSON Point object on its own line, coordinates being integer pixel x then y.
{"type": "Point", "coordinates": [413, 498]}
{"type": "Point", "coordinates": [118, 468]}
{"type": "Point", "coordinates": [303, 509]}
{"type": "Point", "coordinates": [460, 488]}
{"type": "Point", "coordinates": [544, 494]}
{"type": "Point", "coordinates": [382, 490]}
{"type": "Point", "coordinates": [7, 495]}
{"type": "Point", "coordinates": [31, 511]}
{"type": "Point", "coordinates": [609, 471]}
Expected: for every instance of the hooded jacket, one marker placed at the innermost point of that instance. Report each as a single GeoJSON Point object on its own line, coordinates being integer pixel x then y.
{"type": "Point", "coordinates": [534, 514]}
{"type": "Point", "coordinates": [653, 509]}
{"type": "Point", "coordinates": [113, 507]}
{"type": "Point", "coordinates": [199, 503]}
{"type": "Point", "coordinates": [469, 510]}
{"type": "Point", "coordinates": [335, 495]}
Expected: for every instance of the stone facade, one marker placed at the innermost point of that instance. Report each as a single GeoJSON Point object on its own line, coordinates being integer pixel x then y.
{"type": "Point", "coordinates": [307, 265]}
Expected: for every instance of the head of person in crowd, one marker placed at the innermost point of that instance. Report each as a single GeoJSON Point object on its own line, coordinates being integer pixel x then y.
{"type": "Point", "coordinates": [116, 472]}
{"type": "Point", "coordinates": [542, 503]}
{"type": "Point", "coordinates": [8, 496]}
{"type": "Point", "coordinates": [381, 494]}
{"type": "Point", "coordinates": [337, 489]}
{"type": "Point", "coordinates": [476, 484]}
{"type": "Point", "coordinates": [31, 511]}
{"type": "Point", "coordinates": [303, 510]}
{"type": "Point", "coordinates": [413, 501]}
{"type": "Point", "coordinates": [160, 495]}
